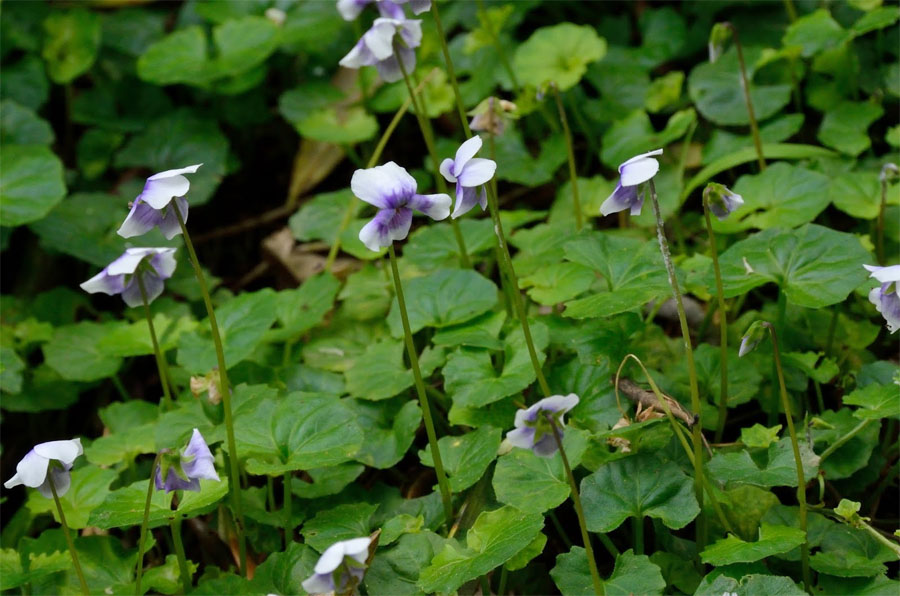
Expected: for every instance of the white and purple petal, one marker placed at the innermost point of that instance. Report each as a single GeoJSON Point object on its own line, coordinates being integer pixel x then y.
{"type": "Point", "coordinates": [436, 206]}
{"type": "Point", "coordinates": [477, 171]}
{"type": "Point", "coordinates": [639, 168]}
{"type": "Point", "coordinates": [466, 152]}
{"type": "Point", "coordinates": [168, 223]}
{"type": "Point", "coordinates": [387, 225]}
{"type": "Point", "coordinates": [386, 186]}
{"type": "Point", "coordinates": [389, 69]}
{"type": "Point", "coordinates": [887, 302]}
{"type": "Point", "coordinates": [202, 465]}
{"type": "Point", "coordinates": [141, 219]}
{"type": "Point", "coordinates": [350, 9]}
{"type": "Point", "coordinates": [418, 6]}
{"type": "Point", "coordinates": [622, 198]}
{"type": "Point", "coordinates": [105, 283]}
{"type": "Point", "coordinates": [884, 274]}
{"type": "Point", "coordinates": [66, 451]}
{"type": "Point", "coordinates": [161, 188]}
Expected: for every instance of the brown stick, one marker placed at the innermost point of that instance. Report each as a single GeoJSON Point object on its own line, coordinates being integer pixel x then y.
{"type": "Point", "coordinates": [648, 400]}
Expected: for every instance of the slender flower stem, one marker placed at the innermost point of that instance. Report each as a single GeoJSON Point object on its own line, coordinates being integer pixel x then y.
{"type": "Point", "coordinates": [420, 389]}
{"type": "Point", "coordinates": [573, 176]}
{"type": "Point", "coordinates": [161, 366]}
{"type": "Point", "coordinates": [428, 136]}
{"type": "Point", "coordinates": [801, 481]}
{"type": "Point", "coordinates": [506, 266]}
{"type": "Point", "coordinates": [791, 11]}
{"type": "Point", "coordinates": [288, 511]}
{"type": "Point", "coordinates": [501, 589]}
{"type": "Point", "coordinates": [373, 160]}
{"type": "Point", "coordinates": [720, 513]}
{"type": "Point", "coordinates": [144, 526]}
{"type": "Point", "coordinates": [879, 224]}
{"type": "Point", "coordinates": [692, 371]}
{"type": "Point", "coordinates": [505, 284]}
{"type": "Point", "coordinates": [637, 533]}
{"type": "Point", "coordinates": [234, 477]}
{"type": "Point", "coordinates": [841, 441]}
{"type": "Point", "coordinates": [495, 38]}
{"type": "Point", "coordinates": [576, 500]}
{"type": "Point", "coordinates": [723, 321]}
{"type": "Point", "coordinates": [832, 326]}
{"type": "Point", "coordinates": [65, 528]}
{"type": "Point", "coordinates": [745, 86]}
{"type": "Point", "coordinates": [175, 527]}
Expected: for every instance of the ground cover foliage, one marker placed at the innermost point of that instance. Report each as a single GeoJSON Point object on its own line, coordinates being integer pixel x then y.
{"type": "Point", "coordinates": [321, 436]}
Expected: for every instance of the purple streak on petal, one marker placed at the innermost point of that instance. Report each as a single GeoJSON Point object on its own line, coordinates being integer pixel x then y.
{"type": "Point", "coordinates": [387, 186]}
{"type": "Point", "coordinates": [436, 206]}
{"type": "Point", "coordinates": [153, 285]}
{"type": "Point", "coordinates": [390, 10]}
{"type": "Point", "coordinates": [141, 219]}
{"type": "Point", "coordinates": [62, 480]}
{"type": "Point", "coordinates": [168, 223]}
{"type": "Point", "coordinates": [387, 225]}
{"type": "Point", "coordinates": [174, 482]}
{"type": "Point", "coordinates": [622, 198]}
{"type": "Point", "coordinates": [201, 466]}
{"type": "Point", "coordinates": [887, 302]}
{"type": "Point", "coordinates": [545, 446]}
{"type": "Point", "coordinates": [466, 198]}
{"type": "Point", "coordinates": [638, 204]}
{"type": "Point", "coordinates": [163, 262]}
{"type": "Point", "coordinates": [105, 283]}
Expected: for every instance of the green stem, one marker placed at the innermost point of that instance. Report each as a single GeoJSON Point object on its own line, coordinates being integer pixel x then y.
{"type": "Point", "coordinates": [791, 11]}
{"type": "Point", "coordinates": [573, 176]}
{"type": "Point", "coordinates": [120, 388]}
{"type": "Point", "coordinates": [720, 513]}
{"type": "Point", "coordinates": [505, 260]}
{"type": "Point", "coordinates": [501, 589]}
{"type": "Point", "coordinates": [745, 86]}
{"type": "Point", "coordinates": [495, 38]}
{"type": "Point", "coordinates": [175, 527]}
{"type": "Point", "coordinates": [234, 477]}
{"type": "Point", "coordinates": [879, 224]}
{"type": "Point", "coordinates": [505, 284]}
{"type": "Point", "coordinates": [832, 326]}
{"type": "Point", "coordinates": [820, 400]}
{"type": "Point", "coordinates": [288, 513]}
{"type": "Point", "coordinates": [637, 533]}
{"type": "Point", "coordinates": [685, 151]}
{"type": "Point", "coordinates": [65, 528]}
{"type": "Point", "coordinates": [420, 389]}
{"type": "Point", "coordinates": [376, 155]}
{"type": "Point", "coordinates": [161, 366]}
{"type": "Point", "coordinates": [841, 441]}
{"type": "Point", "coordinates": [692, 371]}
{"type": "Point", "coordinates": [576, 500]}
{"type": "Point", "coordinates": [560, 529]}
{"type": "Point", "coordinates": [485, 586]}
{"type": "Point", "coordinates": [428, 136]}
{"type": "Point", "coordinates": [801, 482]}
{"type": "Point", "coordinates": [270, 493]}
{"type": "Point", "coordinates": [723, 321]}
{"type": "Point", "coordinates": [144, 525]}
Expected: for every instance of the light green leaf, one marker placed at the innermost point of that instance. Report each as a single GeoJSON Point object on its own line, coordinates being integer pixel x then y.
{"type": "Point", "coordinates": [180, 57]}
{"type": "Point", "coordinates": [773, 540]}
{"type": "Point", "coordinates": [320, 217]}
{"type": "Point", "coordinates": [814, 32]}
{"type": "Point", "coordinates": [557, 283]}
{"type": "Point", "coordinates": [515, 163]}
{"type": "Point", "coordinates": [558, 54]}
{"type": "Point", "coordinates": [875, 401]}
{"type": "Point", "coordinates": [815, 266]}
{"type": "Point", "coordinates": [632, 269]}
{"type": "Point", "coordinates": [857, 194]}
{"type": "Point", "coordinates": [637, 487]}
{"type": "Point", "coordinates": [74, 352]}
{"type": "Point", "coordinates": [380, 372]}
{"type": "Point", "coordinates": [783, 195]}
{"type": "Point", "coordinates": [11, 367]}
{"type": "Point", "coordinates": [852, 455]}
{"type": "Point", "coordinates": [133, 339]}
{"type": "Point", "coordinates": [845, 127]}
{"type": "Point", "coordinates": [242, 44]}
{"type": "Point", "coordinates": [749, 585]}
{"type": "Point", "coordinates": [71, 41]}
{"type": "Point", "coordinates": [295, 432]}
{"type": "Point", "coordinates": [632, 574]}
{"type": "Point", "coordinates": [243, 322]}
{"type": "Point", "coordinates": [284, 572]}
{"type": "Point", "coordinates": [717, 92]}
{"type": "Point", "coordinates": [125, 506]}
{"type": "Point", "coordinates": [465, 457]}
{"type": "Point", "coordinates": [19, 125]}
{"type": "Point", "coordinates": [340, 523]}
{"type": "Point", "coordinates": [90, 486]}
{"type": "Point", "coordinates": [389, 429]}
{"type": "Point", "coordinates": [779, 469]}
{"type": "Point", "coordinates": [396, 570]}
{"type": "Point", "coordinates": [472, 381]}
{"type": "Point", "coordinates": [524, 556]}
{"type": "Point", "coordinates": [326, 481]}
{"type": "Point", "coordinates": [758, 436]}
{"type": "Point", "coordinates": [31, 183]}
{"type": "Point", "coordinates": [350, 125]}
{"type": "Point", "coordinates": [301, 309]}
{"type": "Point", "coordinates": [443, 298]}
{"type": "Point", "coordinates": [495, 538]}
{"type": "Point", "coordinates": [635, 135]}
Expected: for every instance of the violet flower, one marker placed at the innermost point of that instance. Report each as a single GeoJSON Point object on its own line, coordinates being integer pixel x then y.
{"type": "Point", "coordinates": [33, 469]}
{"type": "Point", "coordinates": [378, 48]}
{"type": "Point", "coordinates": [722, 200]}
{"type": "Point", "coordinates": [629, 192]}
{"type": "Point", "coordinates": [390, 188]}
{"type": "Point", "coordinates": [120, 277]}
{"type": "Point", "coordinates": [885, 297]}
{"type": "Point", "coordinates": [350, 9]}
{"type": "Point", "coordinates": [470, 174]}
{"type": "Point", "coordinates": [183, 471]}
{"type": "Point", "coordinates": [338, 564]}
{"type": "Point", "coordinates": [533, 430]}
{"type": "Point", "coordinates": [155, 207]}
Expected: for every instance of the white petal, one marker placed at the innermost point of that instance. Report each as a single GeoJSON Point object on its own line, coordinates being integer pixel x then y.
{"type": "Point", "coordinates": [159, 193]}
{"type": "Point", "coordinates": [380, 38]}
{"type": "Point", "coordinates": [318, 584]}
{"type": "Point", "coordinates": [129, 261]}
{"type": "Point", "coordinates": [358, 548]}
{"type": "Point", "coordinates": [64, 451]}
{"type": "Point", "coordinates": [884, 274]}
{"type": "Point", "coordinates": [378, 185]}
{"type": "Point", "coordinates": [558, 403]}
{"type": "Point", "coordinates": [350, 9]}
{"type": "Point", "coordinates": [358, 56]}
{"type": "Point", "coordinates": [447, 170]}
{"type": "Point", "coordinates": [436, 206]}
{"type": "Point", "coordinates": [521, 437]}
{"type": "Point", "coordinates": [411, 32]}
{"type": "Point", "coordinates": [105, 283]}
{"type": "Point", "coordinates": [172, 173]}
{"type": "Point", "coordinates": [164, 262]}
{"type": "Point", "coordinates": [16, 480]}
{"type": "Point", "coordinates": [32, 469]}
{"type": "Point", "coordinates": [478, 171]}
{"type": "Point", "coordinates": [467, 151]}
{"type": "Point", "coordinates": [637, 170]}
{"type": "Point", "coordinates": [141, 219]}
{"type": "Point", "coordinates": [331, 558]}
{"type": "Point", "coordinates": [642, 156]}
